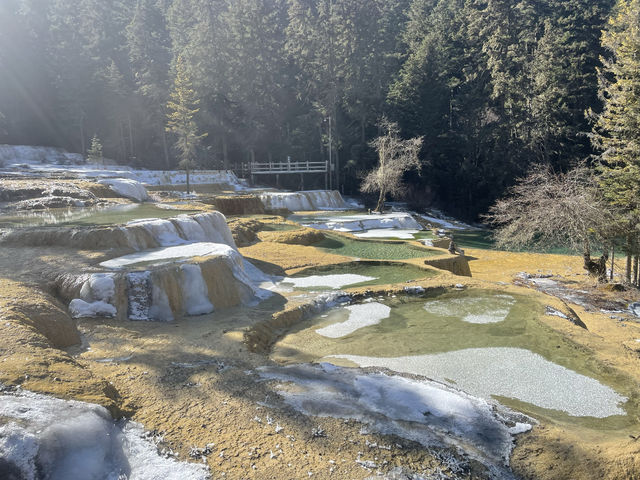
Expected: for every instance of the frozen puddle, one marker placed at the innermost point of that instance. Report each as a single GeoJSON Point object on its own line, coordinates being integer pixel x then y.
{"type": "Point", "coordinates": [388, 233]}
{"type": "Point", "coordinates": [169, 254]}
{"type": "Point", "coordinates": [364, 222]}
{"type": "Point", "coordinates": [491, 309]}
{"type": "Point", "coordinates": [328, 281]}
{"type": "Point", "coordinates": [422, 411]}
{"type": "Point", "coordinates": [45, 437]}
{"type": "Point", "coordinates": [360, 316]}
{"type": "Point", "coordinates": [512, 373]}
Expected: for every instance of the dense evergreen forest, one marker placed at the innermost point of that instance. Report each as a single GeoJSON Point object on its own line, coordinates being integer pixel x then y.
{"type": "Point", "coordinates": [493, 86]}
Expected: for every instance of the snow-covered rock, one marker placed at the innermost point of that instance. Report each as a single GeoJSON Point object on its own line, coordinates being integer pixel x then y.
{"type": "Point", "coordinates": [128, 188]}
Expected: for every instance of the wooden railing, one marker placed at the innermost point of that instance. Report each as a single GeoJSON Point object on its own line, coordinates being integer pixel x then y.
{"type": "Point", "coordinates": [288, 166]}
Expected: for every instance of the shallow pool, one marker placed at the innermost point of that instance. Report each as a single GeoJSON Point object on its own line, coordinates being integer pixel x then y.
{"type": "Point", "coordinates": [83, 216]}
{"type": "Point", "coordinates": [356, 274]}
{"type": "Point", "coordinates": [371, 249]}
{"type": "Point", "coordinates": [487, 343]}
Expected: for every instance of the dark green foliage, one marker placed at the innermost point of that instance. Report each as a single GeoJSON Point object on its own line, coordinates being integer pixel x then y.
{"type": "Point", "coordinates": [493, 86]}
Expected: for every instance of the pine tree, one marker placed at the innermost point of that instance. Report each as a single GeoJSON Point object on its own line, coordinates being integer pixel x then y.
{"type": "Point", "coordinates": [617, 128]}
{"type": "Point", "coordinates": [182, 107]}
{"type": "Point", "coordinates": [94, 154]}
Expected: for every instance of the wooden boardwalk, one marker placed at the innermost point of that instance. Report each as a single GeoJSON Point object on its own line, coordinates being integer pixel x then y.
{"type": "Point", "coordinates": [288, 166]}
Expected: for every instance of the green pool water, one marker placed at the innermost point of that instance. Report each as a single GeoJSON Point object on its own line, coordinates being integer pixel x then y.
{"type": "Point", "coordinates": [384, 273]}
{"type": "Point", "coordinates": [86, 216]}
{"type": "Point", "coordinates": [371, 249]}
{"type": "Point", "coordinates": [423, 326]}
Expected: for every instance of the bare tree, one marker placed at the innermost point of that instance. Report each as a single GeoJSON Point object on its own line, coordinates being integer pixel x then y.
{"type": "Point", "coordinates": [554, 209]}
{"type": "Point", "coordinates": [396, 156]}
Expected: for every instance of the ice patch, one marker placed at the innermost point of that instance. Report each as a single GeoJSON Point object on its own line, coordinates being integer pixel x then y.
{"type": "Point", "coordinates": [170, 254]}
{"type": "Point", "coordinates": [128, 188]}
{"type": "Point", "coordinates": [81, 309]}
{"type": "Point", "coordinates": [388, 233]}
{"type": "Point", "coordinates": [364, 222]}
{"type": "Point", "coordinates": [423, 411]}
{"type": "Point", "coordinates": [473, 310]}
{"type": "Point", "coordinates": [194, 291]}
{"type": "Point", "coordinates": [512, 373]}
{"type": "Point", "coordinates": [442, 223]}
{"type": "Point", "coordinates": [330, 281]}
{"type": "Point", "coordinates": [360, 316]}
{"type": "Point", "coordinates": [99, 287]}
{"type": "Point", "coordinates": [44, 437]}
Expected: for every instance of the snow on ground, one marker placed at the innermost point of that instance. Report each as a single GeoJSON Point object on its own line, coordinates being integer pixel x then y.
{"type": "Point", "coordinates": [81, 309]}
{"type": "Point", "coordinates": [492, 309]}
{"type": "Point", "coordinates": [509, 372]}
{"type": "Point", "coordinates": [446, 224]}
{"type": "Point", "coordinates": [45, 437]}
{"type": "Point", "coordinates": [388, 233]}
{"type": "Point", "coordinates": [364, 222]}
{"type": "Point", "coordinates": [360, 316]}
{"type": "Point", "coordinates": [27, 159]}
{"type": "Point", "coordinates": [423, 411]}
{"type": "Point", "coordinates": [127, 188]}
{"type": "Point", "coordinates": [329, 281]}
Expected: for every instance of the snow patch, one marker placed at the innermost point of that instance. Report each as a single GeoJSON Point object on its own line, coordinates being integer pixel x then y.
{"type": "Point", "coordinates": [81, 309]}
{"type": "Point", "coordinates": [388, 233]}
{"type": "Point", "coordinates": [45, 437]}
{"type": "Point", "coordinates": [360, 316]}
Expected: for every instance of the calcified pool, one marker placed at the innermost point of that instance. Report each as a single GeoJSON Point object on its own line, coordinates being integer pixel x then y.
{"type": "Point", "coordinates": [356, 274]}
{"type": "Point", "coordinates": [487, 343]}
{"type": "Point", "coordinates": [84, 216]}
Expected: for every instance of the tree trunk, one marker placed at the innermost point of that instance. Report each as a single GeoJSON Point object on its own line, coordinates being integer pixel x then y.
{"type": "Point", "coordinates": [635, 270]}
{"type": "Point", "coordinates": [188, 189]}
{"type": "Point", "coordinates": [627, 272]}
{"type": "Point", "coordinates": [613, 257]}
{"type": "Point", "coordinates": [131, 149]}
{"type": "Point", "coordinates": [380, 206]}
{"type": "Point", "coordinates": [166, 149]}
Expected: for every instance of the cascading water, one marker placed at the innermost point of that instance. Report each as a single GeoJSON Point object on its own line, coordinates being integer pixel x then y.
{"type": "Point", "coordinates": [304, 201]}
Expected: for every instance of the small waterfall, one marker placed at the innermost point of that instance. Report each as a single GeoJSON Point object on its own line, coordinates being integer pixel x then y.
{"type": "Point", "coordinates": [189, 229]}
{"type": "Point", "coordinates": [164, 232]}
{"type": "Point", "coordinates": [215, 227]}
{"type": "Point", "coordinates": [304, 201]}
{"type": "Point", "coordinates": [139, 293]}
{"type": "Point", "coordinates": [194, 290]}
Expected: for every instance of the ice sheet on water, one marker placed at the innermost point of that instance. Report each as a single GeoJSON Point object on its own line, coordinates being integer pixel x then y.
{"type": "Point", "coordinates": [365, 222]}
{"type": "Point", "coordinates": [490, 309]}
{"type": "Point", "coordinates": [45, 437]}
{"type": "Point", "coordinates": [169, 254]}
{"type": "Point", "coordinates": [512, 373]}
{"type": "Point", "coordinates": [330, 281]}
{"type": "Point", "coordinates": [360, 316]}
{"type": "Point", "coordinates": [420, 410]}
{"type": "Point", "coordinates": [402, 234]}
